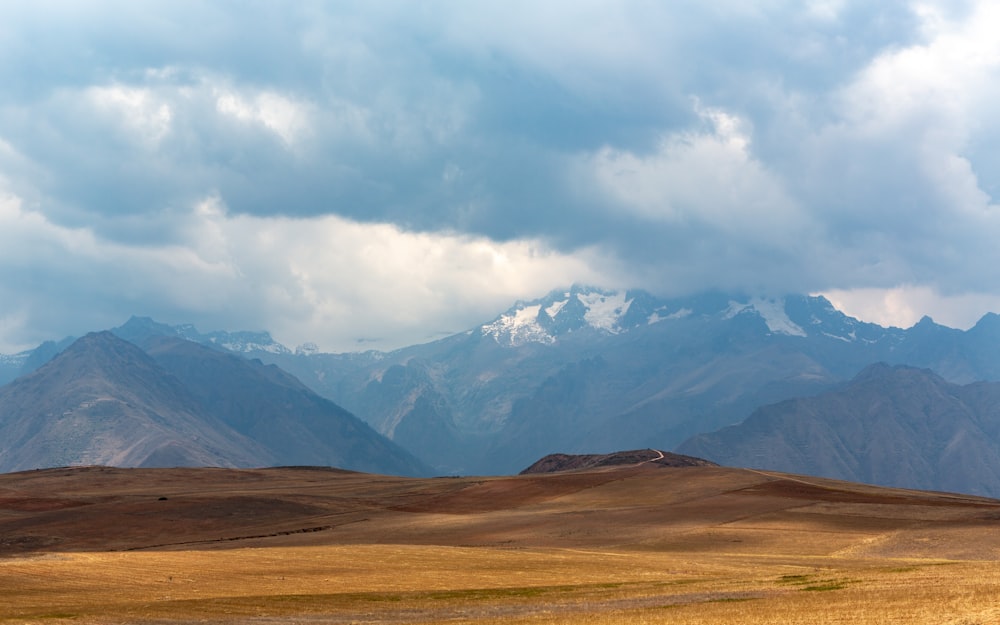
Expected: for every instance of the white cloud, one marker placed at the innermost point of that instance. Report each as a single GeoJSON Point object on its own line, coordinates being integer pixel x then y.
{"type": "Point", "coordinates": [26, 235]}
{"type": "Point", "coordinates": [141, 112]}
{"type": "Point", "coordinates": [341, 284]}
{"type": "Point", "coordinates": [281, 114]}
{"type": "Point", "coordinates": [700, 178]}
{"type": "Point", "coordinates": [825, 10]}
{"type": "Point", "coordinates": [334, 281]}
{"type": "Point", "coordinates": [146, 157]}
{"type": "Point", "coordinates": [903, 306]}
{"type": "Point", "coordinates": [934, 96]}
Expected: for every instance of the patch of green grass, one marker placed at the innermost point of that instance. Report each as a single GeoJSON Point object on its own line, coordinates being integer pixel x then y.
{"type": "Point", "coordinates": [810, 583]}
{"type": "Point", "coordinates": [731, 599]}
{"type": "Point", "coordinates": [832, 585]}
{"type": "Point", "coordinates": [521, 591]}
{"type": "Point", "coordinates": [473, 594]}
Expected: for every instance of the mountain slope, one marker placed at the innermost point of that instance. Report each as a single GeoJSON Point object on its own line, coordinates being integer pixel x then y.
{"type": "Point", "coordinates": [894, 426]}
{"type": "Point", "coordinates": [272, 408]}
{"type": "Point", "coordinates": [104, 401]}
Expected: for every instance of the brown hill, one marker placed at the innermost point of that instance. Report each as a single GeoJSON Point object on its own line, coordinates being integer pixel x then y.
{"type": "Point", "coordinates": [554, 463]}
{"type": "Point", "coordinates": [638, 506]}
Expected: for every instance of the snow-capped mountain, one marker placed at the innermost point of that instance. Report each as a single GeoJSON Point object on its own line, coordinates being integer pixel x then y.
{"type": "Point", "coordinates": [585, 370]}
{"type": "Point", "coordinates": [613, 312]}
{"type": "Point", "coordinates": [564, 311]}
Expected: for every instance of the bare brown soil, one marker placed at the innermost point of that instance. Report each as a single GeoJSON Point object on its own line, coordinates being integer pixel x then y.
{"type": "Point", "coordinates": [636, 506]}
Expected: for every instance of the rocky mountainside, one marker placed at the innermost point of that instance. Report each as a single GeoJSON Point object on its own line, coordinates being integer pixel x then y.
{"type": "Point", "coordinates": [892, 426]}
{"type": "Point", "coordinates": [105, 401]}
{"type": "Point", "coordinates": [268, 405]}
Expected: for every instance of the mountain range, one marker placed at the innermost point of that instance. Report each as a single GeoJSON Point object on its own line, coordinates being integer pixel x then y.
{"type": "Point", "coordinates": [105, 401]}
{"type": "Point", "coordinates": [898, 426]}
{"type": "Point", "coordinates": [591, 371]}
{"type": "Point", "coordinates": [581, 371]}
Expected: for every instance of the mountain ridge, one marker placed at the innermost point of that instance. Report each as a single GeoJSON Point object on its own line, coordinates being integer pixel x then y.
{"type": "Point", "coordinates": [106, 401]}
{"type": "Point", "coordinates": [890, 425]}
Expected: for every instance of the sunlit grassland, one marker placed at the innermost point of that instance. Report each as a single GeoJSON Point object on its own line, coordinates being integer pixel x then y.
{"type": "Point", "coordinates": [429, 584]}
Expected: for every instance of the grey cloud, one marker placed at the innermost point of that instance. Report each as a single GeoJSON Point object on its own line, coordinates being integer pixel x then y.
{"type": "Point", "coordinates": [494, 120]}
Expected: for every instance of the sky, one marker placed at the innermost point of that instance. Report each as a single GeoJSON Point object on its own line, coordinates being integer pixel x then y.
{"type": "Point", "coordinates": [368, 175]}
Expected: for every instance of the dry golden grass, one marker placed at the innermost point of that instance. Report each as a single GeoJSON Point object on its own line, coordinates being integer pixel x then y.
{"type": "Point", "coordinates": [428, 584]}
{"type": "Point", "coordinates": [685, 547]}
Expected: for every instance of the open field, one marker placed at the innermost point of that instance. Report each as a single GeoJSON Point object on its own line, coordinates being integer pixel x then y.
{"type": "Point", "coordinates": [636, 544]}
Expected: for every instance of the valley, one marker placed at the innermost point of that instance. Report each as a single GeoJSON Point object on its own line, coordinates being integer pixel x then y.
{"type": "Point", "coordinates": [628, 543]}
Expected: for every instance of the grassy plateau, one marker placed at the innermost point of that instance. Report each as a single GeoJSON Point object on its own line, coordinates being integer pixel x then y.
{"type": "Point", "coordinates": [629, 544]}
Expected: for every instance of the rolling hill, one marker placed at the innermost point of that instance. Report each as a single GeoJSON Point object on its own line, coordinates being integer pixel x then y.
{"type": "Point", "coordinates": [635, 542]}
{"type": "Point", "coordinates": [641, 505]}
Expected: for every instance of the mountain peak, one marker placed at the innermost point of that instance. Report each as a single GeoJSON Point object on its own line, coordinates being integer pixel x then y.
{"type": "Point", "coordinates": [772, 311]}
{"type": "Point", "coordinates": [578, 308]}
{"type": "Point", "coordinates": [104, 349]}
{"type": "Point", "coordinates": [883, 370]}
{"type": "Point", "coordinates": [988, 323]}
{"type": "Point", "coordinates": [140, 330]}
{"type": "Point", "coordinates": [105, 401]}
{"type": "Point", "coordinates": [563, 311]}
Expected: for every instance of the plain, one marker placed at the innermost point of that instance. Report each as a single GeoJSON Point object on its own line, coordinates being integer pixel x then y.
{"type": "Point", "coordinates": [630, 544]}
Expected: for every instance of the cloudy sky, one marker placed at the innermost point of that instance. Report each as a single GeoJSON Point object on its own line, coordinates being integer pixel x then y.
{"type": "Point", "coordinates": [373, 174]}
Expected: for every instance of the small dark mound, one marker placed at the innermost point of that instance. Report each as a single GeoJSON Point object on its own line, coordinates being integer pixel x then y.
{"type": "Point", "coordinates": [554, 463]}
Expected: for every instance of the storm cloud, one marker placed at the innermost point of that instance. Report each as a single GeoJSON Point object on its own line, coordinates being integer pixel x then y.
{"type": "Point", "coordinates": [374, 174]}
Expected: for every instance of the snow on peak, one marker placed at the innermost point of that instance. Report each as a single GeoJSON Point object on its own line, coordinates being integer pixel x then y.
{"type": "Point", "coordinates": [772, 311]}
{"type": "Point", "coordinates": [542, 320]}
{"type": "Point", "coordinates": [656, 317]}
{"type": "Point", "coordinates": [519, 328]}
{"type": "Point", "coordinates": [247, 342]}
{"type": "Point", "coordinates": [553, 309]}
{"type": "Point", "coordinates": [604, 310]}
